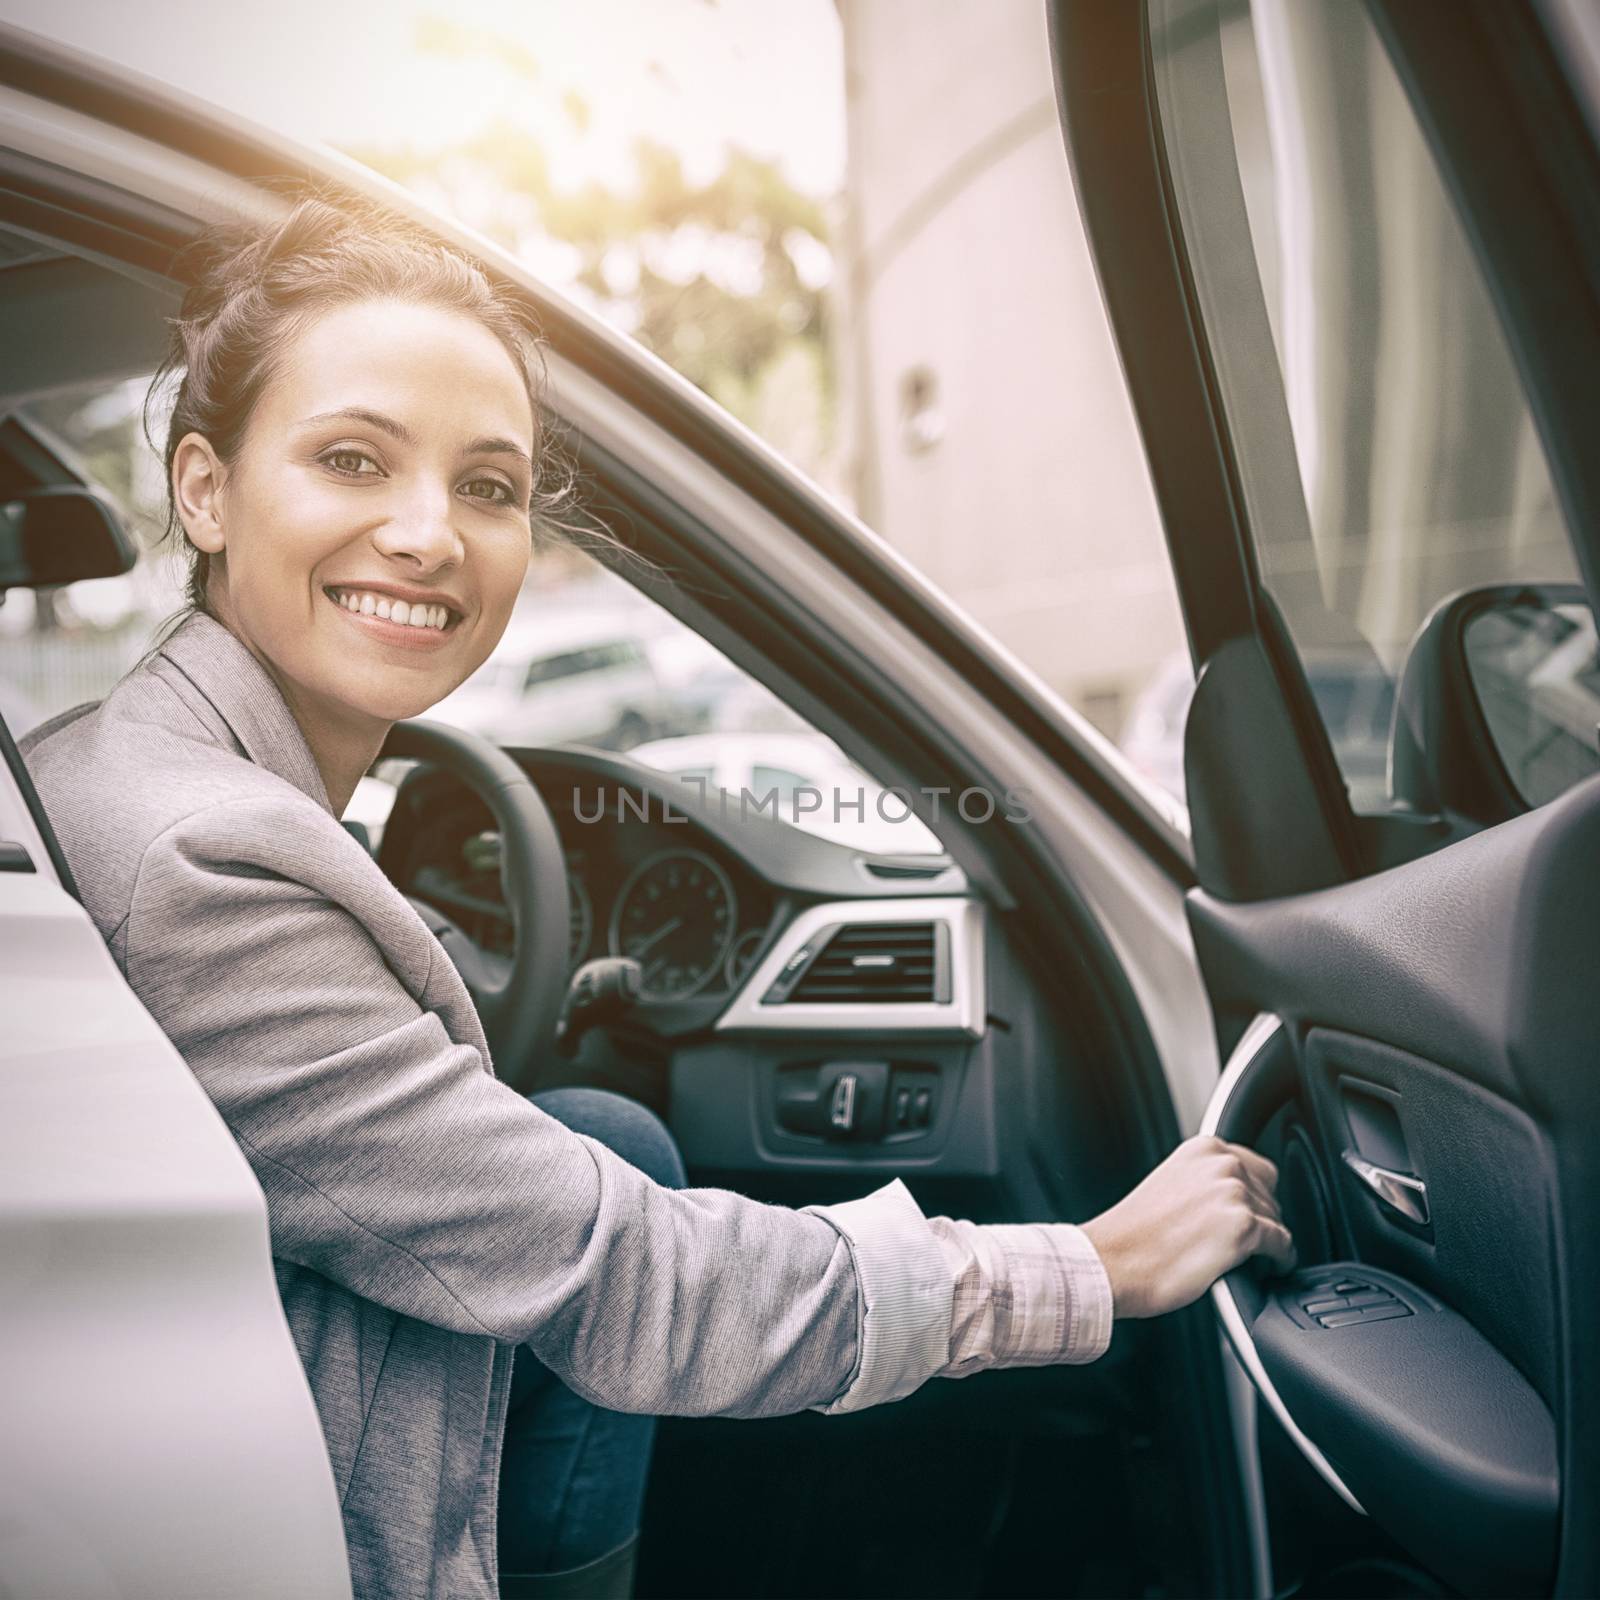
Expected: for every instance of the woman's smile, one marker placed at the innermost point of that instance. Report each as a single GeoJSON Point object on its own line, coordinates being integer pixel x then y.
{"type": "Point", "coordinates": [389, 619]}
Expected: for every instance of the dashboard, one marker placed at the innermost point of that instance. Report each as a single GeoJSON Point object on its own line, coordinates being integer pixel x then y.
{"type": "Point", "coordinates": [643, 879]}
{"type": "Point", "coordinates": [807, 1007]}
{"type": "Point", "coordinates": [705, 896]}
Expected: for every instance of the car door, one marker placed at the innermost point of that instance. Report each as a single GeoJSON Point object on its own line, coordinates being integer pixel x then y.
{"type": "Point", "coordinates": [1350, 256]}
{"type": "Point", "coordinates": [157, 1437]}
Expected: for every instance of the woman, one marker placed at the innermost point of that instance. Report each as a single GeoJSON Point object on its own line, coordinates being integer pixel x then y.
{"type": "Point", "coordinates": [352, 460]}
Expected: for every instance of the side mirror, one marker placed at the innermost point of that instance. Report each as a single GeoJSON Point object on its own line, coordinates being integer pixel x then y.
{"type": "Point", "coordinates": [61, 534]}
{"type": "Point", "coordinates": [1499, 703]}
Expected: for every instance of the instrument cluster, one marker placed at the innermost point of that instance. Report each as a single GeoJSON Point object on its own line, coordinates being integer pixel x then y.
{"type": "Point", "coordinates": [660, 891]}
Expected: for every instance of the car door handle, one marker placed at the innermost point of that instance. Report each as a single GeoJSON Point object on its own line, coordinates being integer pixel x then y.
{"type": "Point", "coordinates": [1398, 1190]}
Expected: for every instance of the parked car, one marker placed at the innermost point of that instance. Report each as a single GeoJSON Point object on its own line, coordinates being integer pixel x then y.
{"type": "Point", "coordinates": [603, 674]}
{"type": "Point", "coordinates": [562, 677]}
{"type": "Point", "coordinates": [1398, 1007]}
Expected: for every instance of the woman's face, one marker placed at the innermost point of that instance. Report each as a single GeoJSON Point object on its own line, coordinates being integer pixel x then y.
{"type": "Point", "coordinates": [381, 489]}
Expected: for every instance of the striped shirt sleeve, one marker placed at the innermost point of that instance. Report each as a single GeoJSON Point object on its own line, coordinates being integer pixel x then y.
{"type": "Point", "coordinates": [945, 1298]}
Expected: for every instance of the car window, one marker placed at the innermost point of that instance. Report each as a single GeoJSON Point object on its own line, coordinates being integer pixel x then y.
{"type": "Point", "coordinates": [1388, 456]}
{"type": "Point", "coordinates": [60, 647]}
{"type": "Point", "coordinates": [575, 662]}
{"type": "Point", "coordinates": [586, 659]}
{"type": "Point", "coordinates": [914, 323]}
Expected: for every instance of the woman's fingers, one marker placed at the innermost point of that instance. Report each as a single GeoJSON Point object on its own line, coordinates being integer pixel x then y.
{"type": "Point", "coordinates": [1256, 1166]}
{"type": "Point", "coordinates": [1273, 1238]}
{"type": "Point", "coordinates": [1275, 1243]}
{"type": "Point", "coordinates": [1259, 1175]}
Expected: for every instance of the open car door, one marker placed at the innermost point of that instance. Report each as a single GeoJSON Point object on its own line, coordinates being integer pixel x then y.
{"type": "Point", "coordinates": [1352, 259]}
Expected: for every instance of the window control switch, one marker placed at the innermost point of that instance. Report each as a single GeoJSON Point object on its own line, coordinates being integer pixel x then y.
{"type": "Point", "coordinates": [1342, 1319]}
{"type": "Point", "coordinates": [1372, 1297]}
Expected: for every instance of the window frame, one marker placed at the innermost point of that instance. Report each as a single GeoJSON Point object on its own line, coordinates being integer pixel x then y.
{"type": "Point", "coordinates": [1492, 76]}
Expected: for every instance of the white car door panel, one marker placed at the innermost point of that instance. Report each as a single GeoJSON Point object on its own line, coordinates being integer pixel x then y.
{"type": "Point", "coordinates": [157, 1437]}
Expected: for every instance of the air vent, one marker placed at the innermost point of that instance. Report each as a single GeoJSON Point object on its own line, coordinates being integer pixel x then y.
{"type": "Point", "coordinates": [878, 963]}
{"type": "Point", "coordinates": [906, 866]}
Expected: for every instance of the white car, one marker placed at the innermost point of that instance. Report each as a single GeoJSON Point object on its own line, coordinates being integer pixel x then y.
{"type": "Point", "coordinates": [562, 677]}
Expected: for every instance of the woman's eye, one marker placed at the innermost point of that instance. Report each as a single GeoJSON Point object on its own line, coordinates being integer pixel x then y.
{"type": "Point", "coordinates": [351, 463]}
{"type": "Point", "coordinates": [489, 490]}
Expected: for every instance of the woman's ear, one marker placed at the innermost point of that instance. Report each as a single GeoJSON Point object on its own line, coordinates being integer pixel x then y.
{"type": "Point", "coordinates": [197, 477]}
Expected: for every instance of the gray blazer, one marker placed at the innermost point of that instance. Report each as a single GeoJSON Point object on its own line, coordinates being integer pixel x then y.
{"type": "Point", "coordinates": [425, 1219]}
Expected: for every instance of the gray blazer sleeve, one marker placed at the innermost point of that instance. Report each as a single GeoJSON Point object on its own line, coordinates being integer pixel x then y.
{"type": "Point", "coordinates": [394, 1163]}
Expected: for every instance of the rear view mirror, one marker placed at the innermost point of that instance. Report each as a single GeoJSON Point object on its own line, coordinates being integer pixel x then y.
{"type": "Point", "coordinates": [61, 534]}
{"type": "Point", "coordinates": [1499, 704]}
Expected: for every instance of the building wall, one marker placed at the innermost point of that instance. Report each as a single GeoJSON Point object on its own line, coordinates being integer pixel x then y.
{"type": "Point", "coordinates": [992, 438]}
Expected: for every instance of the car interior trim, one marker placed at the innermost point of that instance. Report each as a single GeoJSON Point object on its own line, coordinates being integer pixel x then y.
{"type": "Point", "coordinates": [1397, 1190]}
{"type": "Point", "coordinates": [1262, 1034]}
{"type": "Point", "coordinates": [962, 1014]}
{"type": "Point", "coordinates": [1247, 1448]}
{"type": "Point", "coordinates": [27, 828]}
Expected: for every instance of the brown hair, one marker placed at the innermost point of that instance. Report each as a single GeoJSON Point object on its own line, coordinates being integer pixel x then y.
{"type": "Point", "coordinates": [254, 289]}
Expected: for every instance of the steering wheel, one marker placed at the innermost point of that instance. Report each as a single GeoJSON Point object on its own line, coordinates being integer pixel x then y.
{"type": "Point", "coordinates": [518, 1006]}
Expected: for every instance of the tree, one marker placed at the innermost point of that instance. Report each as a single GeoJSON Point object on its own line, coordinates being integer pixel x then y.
{"type": "Point", "coordinates": [724, 280]}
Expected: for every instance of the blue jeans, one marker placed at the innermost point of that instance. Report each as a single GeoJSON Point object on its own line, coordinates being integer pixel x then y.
{"type": "Point", "coordinates": [572, 1475]}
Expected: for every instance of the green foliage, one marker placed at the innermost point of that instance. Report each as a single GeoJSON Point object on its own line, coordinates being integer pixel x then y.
{"type": "Point", "coordinates": [707, 275]}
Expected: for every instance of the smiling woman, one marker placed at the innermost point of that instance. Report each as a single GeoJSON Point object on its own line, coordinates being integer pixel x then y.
{"type": "Point", "coordinates": [351, 461]}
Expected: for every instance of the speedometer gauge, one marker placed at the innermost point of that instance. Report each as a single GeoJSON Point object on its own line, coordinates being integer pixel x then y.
{"type": "Point", "coordinates": [580, 918]}
{"type": "Point", "coordinates": [676, 917]}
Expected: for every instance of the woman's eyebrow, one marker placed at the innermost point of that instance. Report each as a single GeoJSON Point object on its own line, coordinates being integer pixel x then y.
{"type": "Point", "coordinates": [399, 431]}
{"type": "Point", "coordinates": [373, 419]}
{"type": "Point", "coordinates": [499, 447]}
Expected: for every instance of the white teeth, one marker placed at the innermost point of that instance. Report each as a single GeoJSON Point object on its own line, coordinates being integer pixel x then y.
{"type": "Point", "coordinates": [373, 605]}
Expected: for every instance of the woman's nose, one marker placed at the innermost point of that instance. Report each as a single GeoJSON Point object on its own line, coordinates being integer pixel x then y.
{"type": "Point", "coordinates": [422, 528]}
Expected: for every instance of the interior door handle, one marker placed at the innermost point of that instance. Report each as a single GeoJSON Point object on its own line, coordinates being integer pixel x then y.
{"type": "Point", "coordinates": [1261, 1054]}
{"type": "Point", "coordinates": [1398, 1190]}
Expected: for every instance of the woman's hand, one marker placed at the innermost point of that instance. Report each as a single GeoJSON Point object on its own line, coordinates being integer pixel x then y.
{"type": "Point", "coordinates": [1205, 1209]}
